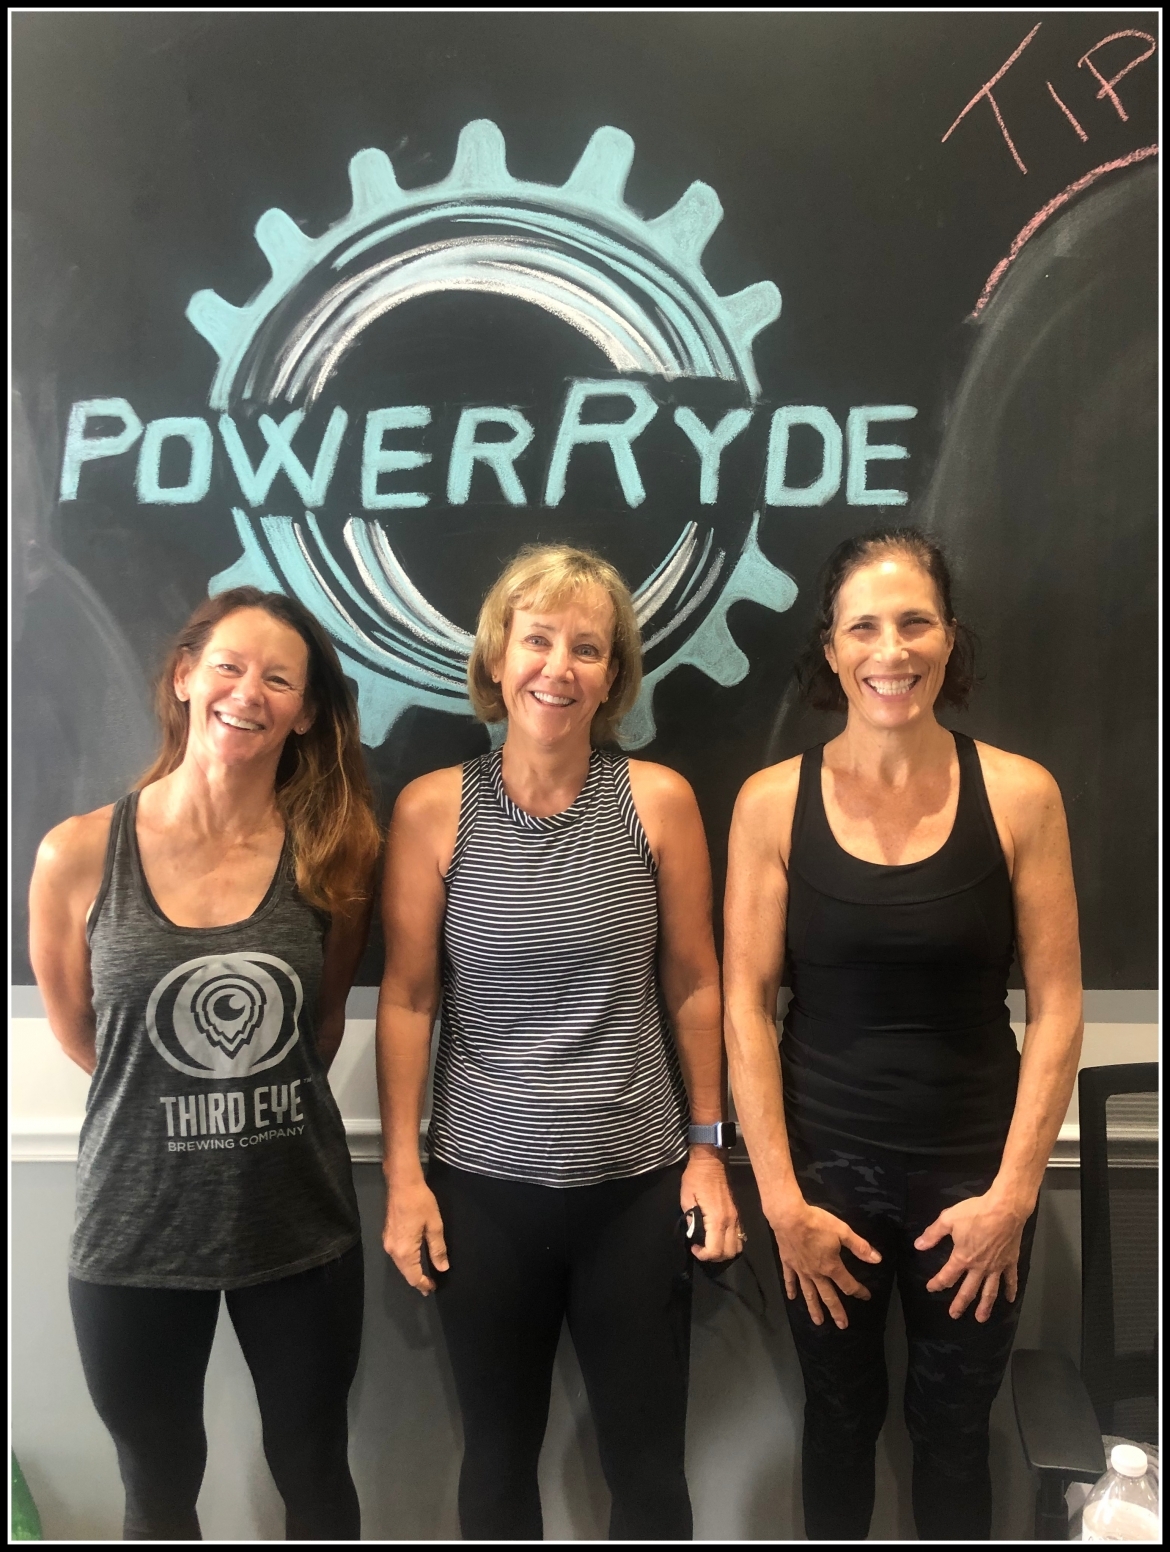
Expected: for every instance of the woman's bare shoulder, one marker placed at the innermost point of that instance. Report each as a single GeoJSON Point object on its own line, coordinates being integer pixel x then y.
{"type": "Point", "coordinates": [659, 784]}
{"type": "Point", "coordinates": [77, 844]}
{"type": "Point", "coordinates": [1015, 779]}
{"type": "Point", "coordinates": [771, 791]}
{"type": "Point", "coordinates": [431, 798]}
{"type": "Point", "coordinates": [764, 812]}
{"type": "Point", "coordinates": [79, 838]}
{"type": "Point", "coordinates": [1025, 801]}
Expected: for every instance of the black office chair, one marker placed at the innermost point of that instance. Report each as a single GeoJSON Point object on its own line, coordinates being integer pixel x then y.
{"type": "Point", "coordinates": [1062, 1413]}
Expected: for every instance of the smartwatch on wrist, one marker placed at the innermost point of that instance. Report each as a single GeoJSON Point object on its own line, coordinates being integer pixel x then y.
{"type": "Point", "coordinates": [719, 1134]}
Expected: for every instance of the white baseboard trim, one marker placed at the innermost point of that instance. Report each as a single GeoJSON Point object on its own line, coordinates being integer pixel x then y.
{"type": "Point", "coordinates": [1101, 1007]}
{"type": "Point", "coordinates": [53, 1140]}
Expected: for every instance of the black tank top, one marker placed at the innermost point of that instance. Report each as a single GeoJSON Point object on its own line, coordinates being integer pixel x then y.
{"type": "Point", "coordinates": [898, 1032]}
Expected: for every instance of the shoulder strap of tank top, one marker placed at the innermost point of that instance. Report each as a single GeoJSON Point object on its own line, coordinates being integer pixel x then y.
{"type": "Point", "coordinates": [809, 802]}
{"type": "Point", "coordinates": [284, 880]}
{"type": "Point", "coordinates": [122, 816]}
{"type": "Point", "coordinates": [974, 805]}
{"type": "Point", "coordinates": [617, 771]}
{"type": "Point", "coordinates": [474, 776]}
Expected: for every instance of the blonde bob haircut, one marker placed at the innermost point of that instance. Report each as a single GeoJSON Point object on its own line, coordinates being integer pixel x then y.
{"type": "Point", "coordinates": [548, 576]}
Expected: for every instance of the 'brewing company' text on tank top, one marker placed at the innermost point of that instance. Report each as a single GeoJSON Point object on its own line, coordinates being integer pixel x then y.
{"type": "Point", "coordinates": [212, 1154]}
{"type": "Point", "coordinates": [556, 1063]}
{"type": "Point", "coordinates": [898, 1032]}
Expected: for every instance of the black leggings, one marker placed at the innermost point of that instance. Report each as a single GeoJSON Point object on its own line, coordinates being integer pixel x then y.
{"type": "Point", "coordinates": [145, 1353]}
{"type": "Point", "coordinates": [613, 1259]}
{"type": "Point", "coordinates": [954, 1367]}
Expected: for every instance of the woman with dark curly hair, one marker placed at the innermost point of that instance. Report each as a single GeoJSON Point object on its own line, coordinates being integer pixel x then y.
{"type": "Point", "coordinates": [194, 943]}
{"type": "Point", "coordinates": [896, 1135]}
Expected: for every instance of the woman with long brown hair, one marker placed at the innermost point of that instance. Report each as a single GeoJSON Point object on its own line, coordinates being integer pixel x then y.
{"type": "Point", "coordinates": [194, 944]}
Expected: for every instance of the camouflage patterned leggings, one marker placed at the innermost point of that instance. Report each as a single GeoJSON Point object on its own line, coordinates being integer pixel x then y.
{"type": "Point", "coordinates": [954, 1367]}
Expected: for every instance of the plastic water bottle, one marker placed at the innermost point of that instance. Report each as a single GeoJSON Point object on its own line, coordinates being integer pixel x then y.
{"type": "Point", "coordinates": [1123, 1506]}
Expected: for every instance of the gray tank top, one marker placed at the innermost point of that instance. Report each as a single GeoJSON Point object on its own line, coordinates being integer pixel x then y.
{"type": "Point", "coordinates": [212, 1153]}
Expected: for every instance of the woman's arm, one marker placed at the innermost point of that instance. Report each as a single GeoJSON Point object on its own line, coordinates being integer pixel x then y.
{"type": "Point", "coordinates": [65, 883]}
{"type": "Point", "coordinates": [754, 919]}
{"type": "Point", "coordinates": [418, 853]}
{"type": "Point", "coordinates": [689, 977]}
{"type": "Point", "coordinates": [986, 1230]}
{"type": "Point", "coordinates": [1048, 943]}
{"type": "Point", "coordinates": [345, 943]}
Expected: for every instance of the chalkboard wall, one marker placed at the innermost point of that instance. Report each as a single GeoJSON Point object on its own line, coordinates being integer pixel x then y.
{"type": "Point", "coordinates": [355, 305]}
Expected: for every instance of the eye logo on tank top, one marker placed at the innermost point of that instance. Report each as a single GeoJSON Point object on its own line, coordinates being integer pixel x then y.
{"type": "Point", "coordinates": [226, 1015]}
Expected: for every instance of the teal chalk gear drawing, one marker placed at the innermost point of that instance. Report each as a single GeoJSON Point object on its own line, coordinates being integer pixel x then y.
{"type": "Point", "coordinates": [635, 288]}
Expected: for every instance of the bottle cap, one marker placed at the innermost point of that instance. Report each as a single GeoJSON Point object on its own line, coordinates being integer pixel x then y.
{"type": "Point", "coordinates": [1128, 1460]}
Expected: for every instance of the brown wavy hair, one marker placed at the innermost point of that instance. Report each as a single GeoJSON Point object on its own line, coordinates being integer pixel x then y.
{"type": "Point", "coordinates": [817, 682]}
{"type": "Point", "coordinates": [547, 576]}
{"type": "Point", "coordinates": [322, 790]}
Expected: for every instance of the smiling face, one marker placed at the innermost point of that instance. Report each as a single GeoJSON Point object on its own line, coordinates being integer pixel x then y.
{"type": "Point", "coordinates": [890, 643]}
{"type": "Point", "coordinates": [246, 690]}
{"type": "Point", "coordinates": [558, 667]}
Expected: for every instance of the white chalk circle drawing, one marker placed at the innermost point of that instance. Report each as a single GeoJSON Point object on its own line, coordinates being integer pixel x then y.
{"type": "Point", "coordinates": [633, 287]}
{"type": "Point", "coordinates": [225, 1015]}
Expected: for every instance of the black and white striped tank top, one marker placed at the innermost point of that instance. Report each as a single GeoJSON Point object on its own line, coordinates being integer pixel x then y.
{"type": "Point", "coordinates": [556, 1064]}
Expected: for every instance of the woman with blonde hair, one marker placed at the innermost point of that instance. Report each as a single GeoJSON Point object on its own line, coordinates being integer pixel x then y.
{"type": "Point", "coordinates": [557, 896]}
{"type": "Point", "coordinates": [194, 944]}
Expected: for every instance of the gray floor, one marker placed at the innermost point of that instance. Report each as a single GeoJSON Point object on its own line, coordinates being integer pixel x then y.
{"type": "Point", "coordinates": [744, 1428]}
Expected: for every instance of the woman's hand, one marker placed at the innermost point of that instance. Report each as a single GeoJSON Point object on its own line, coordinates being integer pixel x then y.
{"type": "Point", "coordinates": [809, 1240]}
{"type": "Point", "coordinates": [412, 1215]}
{"type": "Point", "coordinates": [704, 1183]}
{"type": "Point", "coordinates": [985, 1234]}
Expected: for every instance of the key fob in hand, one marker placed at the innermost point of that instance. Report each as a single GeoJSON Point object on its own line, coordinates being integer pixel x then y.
{"type": "Point", "coordinates": [696, 1232]}
{"type": "Point", "coordinates": [428, 1265]}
